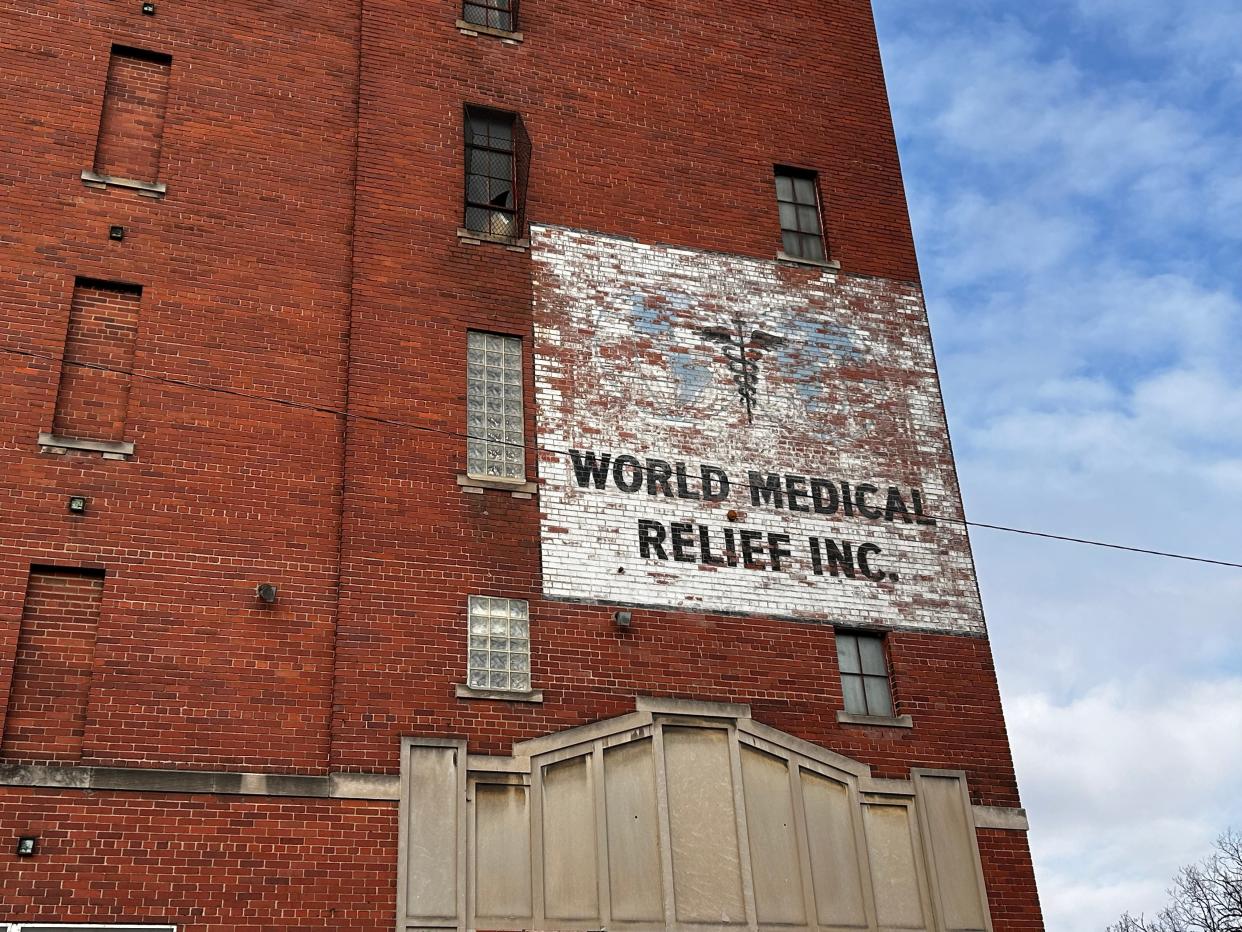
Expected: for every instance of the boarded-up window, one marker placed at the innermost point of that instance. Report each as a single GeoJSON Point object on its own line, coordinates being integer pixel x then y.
{"type": "Point", "coordinates": [52, 670]}
{"type": "Point", "coordinates": [131, 128]}
{"type": "Point", "coordinates": [99, 353]}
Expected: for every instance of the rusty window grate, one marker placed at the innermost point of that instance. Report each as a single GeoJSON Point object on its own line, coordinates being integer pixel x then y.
{"type": "Point", "coordinates": [495, 14]}
{"type": "Point", "coordinates": [497, 166]}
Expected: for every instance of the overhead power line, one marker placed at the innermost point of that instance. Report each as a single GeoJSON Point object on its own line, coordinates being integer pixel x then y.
{"type": "Point", "coordinates": [391, 422]}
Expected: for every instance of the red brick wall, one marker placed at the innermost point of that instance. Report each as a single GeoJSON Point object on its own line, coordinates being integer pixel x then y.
{"type": "Point", "coordinates": [204, 863]}
{"type": "Point", "coordinates": [132, 125]}
{"type": "Point", "coordinates": [95, 369]}
{"type": "Point", "coordinates": [1010, 878]}
{"type": "Point", "coordinates": [276, 291]}
{"type": "Point", "coordinates": [52, 670]}
{"type": "Point", "coordinates": [245, 267]}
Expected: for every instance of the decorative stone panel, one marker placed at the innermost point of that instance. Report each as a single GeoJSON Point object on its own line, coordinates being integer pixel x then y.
{"type": "Point", "coordinates": [681, 816]}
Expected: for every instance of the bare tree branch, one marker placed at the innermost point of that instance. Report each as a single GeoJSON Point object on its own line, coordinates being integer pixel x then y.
{"type": "Point", "coordinates": [1205, 897]}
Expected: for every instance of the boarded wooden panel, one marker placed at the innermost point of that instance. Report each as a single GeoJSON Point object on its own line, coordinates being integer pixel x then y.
{"type": "Point", "coordinates": [894, 867]}
{"type": "Point", "coordinates": [634, 874]}
{"type": "Point", "coordinates": [950, 837]}
{"type": "Point", "coordinates": [774, 861]}
{"type": "Point", "coordinates": [834, 856]}
{"type": "Point", "coordinates": [502, 880]}
{"type": "Point", "coordinates": [570, 880]}
{"type": "Point", "coordinates": [707, 877]}
{"type": "Point", "coordinates": [431, 853]}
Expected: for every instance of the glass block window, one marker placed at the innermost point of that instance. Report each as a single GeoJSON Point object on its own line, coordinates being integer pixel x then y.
{"type": "Point", "coordinates": [491, 180]}
{"type": "Point", "coordinates": [797, 199]}
{"type": "Point", "coordinates": [864, 674]}
{"type": "Point", "coordinates": [499, 644]}
{"type": "Point", "coordinates": [495, 447]}
{"type": "Point", "coordinates": [498, 14]}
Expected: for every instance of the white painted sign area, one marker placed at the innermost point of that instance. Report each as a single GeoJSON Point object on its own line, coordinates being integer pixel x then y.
{"type": "Point", "coordinates": [724, 434]}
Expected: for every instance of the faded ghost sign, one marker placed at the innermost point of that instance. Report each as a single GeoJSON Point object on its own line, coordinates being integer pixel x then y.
{"type": "Point", "coordinates": [727, 434]}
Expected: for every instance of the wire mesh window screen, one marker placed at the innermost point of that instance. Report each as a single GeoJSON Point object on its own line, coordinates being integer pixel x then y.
{"type": "Point", "coordinates": [491, 177]}
{"type": "Point", "coordinates": [496, 14]}
{"type": "Point", "coordinates": [495, 446]}
{"type": "Point", "coordinates": [864, 674]}
{"type": "Point", "coordinates": [499, 644]}
{"type": "Point", "coordinates": [797, 199]}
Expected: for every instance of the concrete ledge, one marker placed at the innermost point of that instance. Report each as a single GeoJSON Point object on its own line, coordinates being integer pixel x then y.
{"type": "Point", "coordinates": [109, 449]}
{"type": "Point", "coordinates": [146, 188]}
{"type": "Point", "coordinates": [225, 783]}
{"type": "Point", "coordinates": [76, 778]}
{"type": "Point", "coordinates": [477, 237]}
{"type": "Point", "coordinates": [499, 695]}
{"type": "Point", "coordinates": [475, 29]}
{"type": "Point", "coordinates": [378, 786]}
{"type": "Point", "coordinates": [1010, 820]}
{"type": "Point", "coordinates": [879, 721]}
{"type": "Point", "coordinates": [517, 488]}
{"type": "Point", "coordinates": [659, 706]}
{"type": "Point", "coordinates": [832, 264]}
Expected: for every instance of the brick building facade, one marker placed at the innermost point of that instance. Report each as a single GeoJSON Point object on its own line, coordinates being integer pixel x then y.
{"type": "Point", "coordinates": [479, 467]}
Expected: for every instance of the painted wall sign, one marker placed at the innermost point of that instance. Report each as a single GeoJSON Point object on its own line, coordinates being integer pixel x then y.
{"type": "Point", "coordinates": [727, 434]}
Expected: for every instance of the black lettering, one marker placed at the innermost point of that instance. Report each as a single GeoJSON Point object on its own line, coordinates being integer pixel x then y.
{"type": "Point", "coordinates": [683, 537]}
{"type": "Point", "coordinates": [715, 484]}
{"type": "Point", "coordinates": [777, 548]}
{"type": "Point", "coordinates": [896, 506]}
{"type": "Point", "coordinates": [840, 559]}
{"type": "Point", "coordinates": [817, 560]}
{"type": "Point", "coordinates": [651, 538]}
{"type": "Point", "coordinates": [860, 499]}
{"type": "Point", "coordinates": [684, 490]}
{"type": "Point", "coordinates": [795, 488]}
{"type": "Point", "coordinates": [751, 548]}
{"type": "Point", "coordinates": [847, 500]}
{"type": "Point", "coordinates": [634, 481]}
{"type": "Point", "coordinates": [705, 548]}
{"type": "Point", "coordinates": [820, 488]}
{"type": "Point", "coordinates": [917, 497]}
{"type": "Point", "coordinates": [588, 470]}
{"type": "Point", "coordinates": [766, 490]}
{"type": "Point", "coordinates": [864, 552]}
{"type": "Point", "coordinates": [730, 547]}
{"type": "Point", "coordinates": [658, 475]}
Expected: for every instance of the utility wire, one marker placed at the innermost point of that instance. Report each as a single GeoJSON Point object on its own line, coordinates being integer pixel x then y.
{"type": "Point", "coordinates": [336, 412]}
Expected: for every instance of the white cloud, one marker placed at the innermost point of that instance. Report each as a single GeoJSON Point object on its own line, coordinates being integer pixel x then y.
{"type": "Point", "coordinates": [1077, 203]}
{"type": "Point", "coordinates": [1133, 782]}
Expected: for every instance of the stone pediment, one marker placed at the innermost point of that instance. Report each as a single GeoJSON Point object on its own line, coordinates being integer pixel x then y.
{"type": "Point", "coordinates": [681, 815]}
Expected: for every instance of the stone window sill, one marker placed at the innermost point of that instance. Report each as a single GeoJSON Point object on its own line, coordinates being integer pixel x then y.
{"type": "Point", "coordinates": [499, 695]}
{"type": "Point", "coordinates": [109, 449]}
{"type": "Point", "coordinates": [517, 488]}
{"type": "Point", "coordinates": [475, 29]}
{"type": "Point", "coordinates": [477, 238]}
{"type": "Point", "coordinates": [829, 264]}
{"type": "Point", "coordinates": [880, 721]}
{"type": "Point", "coordinates": [145, 188]}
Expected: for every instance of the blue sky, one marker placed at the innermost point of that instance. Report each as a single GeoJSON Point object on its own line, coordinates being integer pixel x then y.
{"type": "Point", "coordinates": [1075, 182]}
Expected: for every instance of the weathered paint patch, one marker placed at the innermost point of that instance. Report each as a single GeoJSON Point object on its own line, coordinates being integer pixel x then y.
{"type": "Point", "coordinates": [812, 395]}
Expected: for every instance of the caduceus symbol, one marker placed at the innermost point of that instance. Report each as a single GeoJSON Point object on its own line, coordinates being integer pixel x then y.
{"type": "Point", "coordinates": [743, 352]}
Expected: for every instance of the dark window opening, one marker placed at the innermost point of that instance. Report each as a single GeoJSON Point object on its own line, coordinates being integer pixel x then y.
{"type": "Point", "coordinates": [497, 155]}
{"type": "Point", "coordinates": [864, 674]}
{"type": "Point", "coordinates": [802, 228]}
{"type": "Point", "coordinates": [496, 14]}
